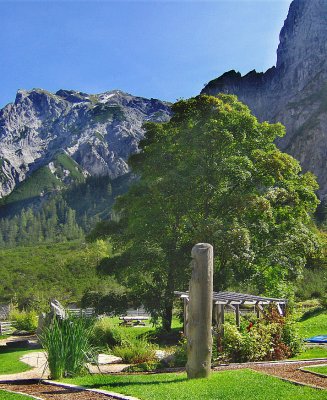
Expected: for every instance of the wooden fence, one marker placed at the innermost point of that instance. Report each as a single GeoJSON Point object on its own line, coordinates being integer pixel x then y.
{"type": "Point", "coordinates": [80, 312]}
{"type": "Point", "coordinates": [6, 327]}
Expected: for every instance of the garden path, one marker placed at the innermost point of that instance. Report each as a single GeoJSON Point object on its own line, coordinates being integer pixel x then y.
{"type": "Point", "coordinates": [286, 370]}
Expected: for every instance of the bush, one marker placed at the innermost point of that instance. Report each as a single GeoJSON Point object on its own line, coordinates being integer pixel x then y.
{"type": "Point", "coordinates": [145, 367]}
{"type": "Point", "coordinates": [67, 343]}
{"type": "Point", "coordinates": [323, 301]}
{"type": "Point", "coordinates": [245, 346]}
{"type": "Point", "coordinates": [136, 351]}
{"type": "Point", "coordinates": [24, 320]}
{"type": "Point", "coordinates": [104, 334]}
{"type": "Point", "coordinates": [271, 338]}
{"type": "Point", "coordinates": [179, 358]}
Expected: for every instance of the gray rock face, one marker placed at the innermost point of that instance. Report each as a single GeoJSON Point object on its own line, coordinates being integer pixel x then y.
{"type": "Point", "coordinates": [98, 131]}
{"type": "Point", "coordinates": [293, 92]}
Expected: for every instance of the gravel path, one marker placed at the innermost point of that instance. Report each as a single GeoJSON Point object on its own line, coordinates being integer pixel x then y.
{"type": "Point", "coordinates": [51, 392]}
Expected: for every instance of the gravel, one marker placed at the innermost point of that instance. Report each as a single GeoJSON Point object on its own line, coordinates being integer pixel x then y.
{"type": "Point", "coordinates": [46, 391]}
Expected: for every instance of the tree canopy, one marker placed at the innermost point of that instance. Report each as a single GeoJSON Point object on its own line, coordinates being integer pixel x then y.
{"type": "Point", "coordinates": [212, 174]}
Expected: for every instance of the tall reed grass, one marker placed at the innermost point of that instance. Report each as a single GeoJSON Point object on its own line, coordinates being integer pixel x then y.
{"type": "Point", "coordinates": [67, 343]}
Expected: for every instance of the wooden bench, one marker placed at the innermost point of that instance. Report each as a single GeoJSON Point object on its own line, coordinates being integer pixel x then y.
{"type": "Point", "coordinates": [134, 320]}
{"type": "Point", "coordinates": [6, 327]}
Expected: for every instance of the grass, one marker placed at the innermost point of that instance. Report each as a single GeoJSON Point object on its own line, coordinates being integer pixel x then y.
{"type": "Point", "coordinates": [312, 352]}
{"type": "Point", "coordinates": [226, 385]}
{"type": "Point", "coordinates": [63, 161]}
{"type": "Point", "coordinates": [67, 346]}
{"type": "Point", "coordinates": [4, 395]}
{"type": "Point", "coordinates": [320, 369]}
{"type": "Point", "coordinates": [314, 325]}
{"type": "Point", "coordinates": [9, 361]}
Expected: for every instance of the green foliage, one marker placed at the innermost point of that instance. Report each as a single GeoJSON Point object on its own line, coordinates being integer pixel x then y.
{"type": "Point", "coordinates": [180, 356]}
{"type": "Point", "coordinates": [135, 351]}
{"type": "Point", "coordinates": [113, 302]}
{"type": "Point", "coordinates": [228, 385]}
{"type": "Point", "coordinates": [271, 338]}
{"type": "Point", "coordinates": [106, 334]}
{"type": "Point", "coordinates": [148, 366]}
{"type": "Point", "coordinates": [106, 112]}
{"type": "Point", "coordinates": [212, 174]}
{"type": "Point", "coordinates": [31, 275]}
{"type": "Point", "coordinates": [64, 162]}
{"type": "Point", "coordinates": [24, 320]}
{"type": "Point", "coordinates": [67, 343]}
{"type": "Point", "coordinates": [42, 180]}
{"type": "Point", "coordinates": [243, 346]}
{"type": "Point", "coordinates": [53, 222]}
{"type": "Point", "coordinates": [28, 218]}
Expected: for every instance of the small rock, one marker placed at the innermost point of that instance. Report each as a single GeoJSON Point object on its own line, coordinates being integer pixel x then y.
{"type": "Point", "coordinates": [108, 359]}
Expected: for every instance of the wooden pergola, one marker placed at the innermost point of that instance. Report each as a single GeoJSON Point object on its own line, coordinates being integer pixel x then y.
{"type": "Point", "coordinates": [234, 301]}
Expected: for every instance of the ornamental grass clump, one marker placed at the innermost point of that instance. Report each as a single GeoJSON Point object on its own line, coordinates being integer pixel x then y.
{"type": "Point", "coordinates": [136, 351]}
{"type": "Point", "coordinates": [67, 343]}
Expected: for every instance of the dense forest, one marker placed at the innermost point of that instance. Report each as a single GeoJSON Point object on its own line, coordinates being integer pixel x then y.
{"type": "Point", "coordinates": [60, 215]}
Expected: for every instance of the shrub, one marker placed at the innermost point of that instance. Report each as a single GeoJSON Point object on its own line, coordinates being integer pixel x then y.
{"type": "Point", "coordinates": [136, 351]}
{"type": "Point", "coordinates": [144, 367]}
{"type": "Point", "coordinates": [67, 343]}
{"type": "Point", "coordinates": [24, 320]}
{"type": "Point", "coordinates": [271, 338]}
{"type": "Point", "coordinates": [323, 301]}
{"type": "Point", "coordinates": [179, 358]}
{"type": "Point", "coordinates": [104, 334]}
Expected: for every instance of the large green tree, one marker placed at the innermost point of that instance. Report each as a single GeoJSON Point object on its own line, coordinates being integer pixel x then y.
{"type": "Point", "coordinates": [212, 174]}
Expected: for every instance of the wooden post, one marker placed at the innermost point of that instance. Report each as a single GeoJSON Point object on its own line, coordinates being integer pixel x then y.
{"type": "Point", "coordinates": [199, 336]}
{"type": "Point", "coordinates": [258, 310]}
{"type": "Point", "coordinates": [185, 315]}
{"type": "Point", "coordinates": [221, 317]}
{"type": "Point", "coordinates": [237, 314]}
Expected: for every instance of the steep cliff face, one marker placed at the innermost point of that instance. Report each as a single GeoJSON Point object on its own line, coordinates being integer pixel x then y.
{"type": "Point", "coordinates": [96, 133]}
{"type": "Point", "coordinates": [293, 92]}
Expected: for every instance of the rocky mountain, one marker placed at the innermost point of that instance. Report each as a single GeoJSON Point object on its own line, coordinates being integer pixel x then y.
{"type": "Point", "coordinates": [294, 91]}
{"type": "Point", "coordinates": [71, 134]}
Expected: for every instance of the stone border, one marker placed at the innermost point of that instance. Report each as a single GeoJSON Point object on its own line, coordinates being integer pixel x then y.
{"type": "Point", "coordinates": [296, 382]}
{"type": "Point", "coordinates": [23, 394]}
{"type": "Point", "coordinates": [104, 392]}
{"type": "Point", "coordinates": [313, 372]}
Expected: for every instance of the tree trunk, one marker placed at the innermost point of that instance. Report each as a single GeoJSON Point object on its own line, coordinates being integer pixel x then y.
{"type": "Point", "coordinates": [167, 317]}
{"type": "Point", "coordinates": [199, 337]}
{"type": "Point", "coordinates": [167, 314]}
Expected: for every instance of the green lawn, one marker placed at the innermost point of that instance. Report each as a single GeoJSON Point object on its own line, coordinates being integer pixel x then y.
{"type": "Point", "coordinates": [312, 352]}
{"type": "Point", "coordinates": [312, 326]}
{"type": "Point", "coordinates": [320, 369]}
{"type": "Point", "coordinates": [226, 385]}
{"type": "Point", "coordinates": [4, 395]}
{"type": "Point", "coordinates": [9, 361]}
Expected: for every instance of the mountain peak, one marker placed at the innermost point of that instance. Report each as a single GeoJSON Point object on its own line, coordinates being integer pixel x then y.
{"type": "Point", "coordinates": [98, 132]}
{"type": "Point", "coordinates": [295, 91]}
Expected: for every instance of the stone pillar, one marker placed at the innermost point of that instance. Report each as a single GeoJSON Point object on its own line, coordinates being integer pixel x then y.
{"type": "Point", "coordinates": [199, 335]}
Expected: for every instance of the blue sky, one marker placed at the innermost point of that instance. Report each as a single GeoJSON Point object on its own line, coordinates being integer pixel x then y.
{"type": "Point", "coordinates": [160, 49]}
